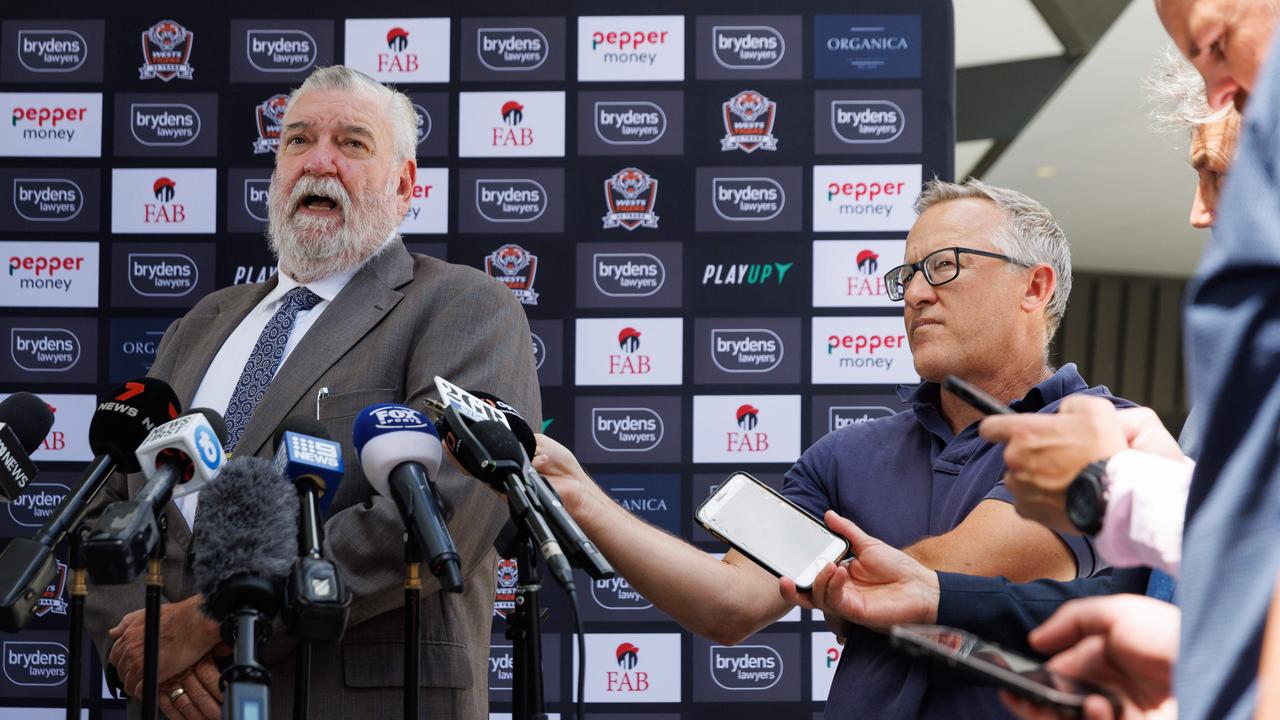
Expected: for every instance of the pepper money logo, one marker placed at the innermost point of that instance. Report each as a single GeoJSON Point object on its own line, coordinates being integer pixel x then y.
{"type": "Point", "coordinates": [52, 51]}
{"type": "Point", "coordinates": [166, 52]}
{"type": "Point", "coordinates": [748, 122]}
{"type": "Point", "coordinates": [47, 199]}
{"type": "Point", "coordinates": [630, 196]}
{"type": "Point", "coordinates": [269, 116]}
{"type": "Point", "coordinates": [516, 268]}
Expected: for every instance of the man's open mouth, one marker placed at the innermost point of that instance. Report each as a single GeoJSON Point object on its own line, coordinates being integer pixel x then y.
{"type": "Point", "coordinates": [319, 203]}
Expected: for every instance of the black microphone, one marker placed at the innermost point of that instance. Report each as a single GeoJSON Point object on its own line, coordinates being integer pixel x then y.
{"type": "Point", "coordinates": [25, 420]}
{"type": "Point", "coordinates": [489, 452]}
{"type": "Point", "coordinates": [186, 451]}
{"type": "Point", "coordinates": [316, 602]}
{"type": "Point", "coordinates": [399, 450]}
{"type": "Point", "coordinates": [581, 550]}
{"type": "Point", "coordinates": [243, 545]}
{"type": "Point", "coordinates": [119, 425]}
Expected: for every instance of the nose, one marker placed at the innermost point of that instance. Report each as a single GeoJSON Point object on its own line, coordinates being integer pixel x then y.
{"type": "Point", "coordinates": [320, 161]}
{"type": "Point", "coordinates": [918, 290]}
{"type": "Point", "coordinates": [1221, 92]}
{"type": "Point", "coordinates": [1201, 209]}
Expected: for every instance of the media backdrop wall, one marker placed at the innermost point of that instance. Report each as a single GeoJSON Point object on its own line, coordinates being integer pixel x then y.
{"type": "Point", "coordinates": [694, 208]}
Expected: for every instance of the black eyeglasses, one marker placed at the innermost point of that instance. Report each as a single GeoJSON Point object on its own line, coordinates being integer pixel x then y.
{"type": "Point", "coordinates": [940, 267]}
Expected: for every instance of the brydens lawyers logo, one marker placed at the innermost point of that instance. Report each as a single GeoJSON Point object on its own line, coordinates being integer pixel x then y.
{"type": "Point", "coordinates": [47, 199]}
{"type": "Point", "coordinates": [423, 122]}
{"type": "Point", "coordinates": [51, 51]}
{"type": "Point", "coordinates": [842, 416]}
{"type": "Point", "coordinates": [280, 51]}
{"type": "Point", "coordinates": [516, 268]}
{"type": "Point", "coordinates": [166, 52]}
{"type": "Point", "coordinates": [506, 201]}
{"type": "Point", "coordinates": [751, 199]}
{"type": "Point", "coordinates": [748, 122]}
{"type": "Point", "coordinates": [256, 194]}
{"type": "Point", "coordinates": [626, 429]}
{"type": "Point", "coordinates": [511, 48]}
{"type": "Point", "coordinates": [35, 664]}
{"type": "Point", "coordinates": [745, 667]}
{"type": "Point", "coordinates": [162, 274]}
{"type": "Point", "coordinates": [629, 123]}
{"type": "Point", "coordinates": [164, 124]}
{"type": "Point", "coordinates": [746, 351]}
{"type": "Point", "coordinates": [617, 594]}
{"type": "Point", "coordinates": [747, 47]}
{"type": "Point", "coordinates": [44, 349]}
{"type": "Point", "coordinates": [539, 350]}
{"type": "Point", "coordinates": [628, 274]}
{"type": "Point", "coordinates": [36, 504]}
{"type": "Point", "coordinates": [269, 116]}
{"type": "Point", "coordinates": [859, 122]}
{"type": "Point", "coordinates": [630, 196]}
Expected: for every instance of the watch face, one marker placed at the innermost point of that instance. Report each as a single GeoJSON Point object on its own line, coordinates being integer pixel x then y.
{"type": "Point", "coordinates": [1084, 503]}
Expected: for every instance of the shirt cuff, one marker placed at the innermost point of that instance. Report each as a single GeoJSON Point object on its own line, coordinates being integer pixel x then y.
{"type": "Point", "coordinates": [1145, 508]}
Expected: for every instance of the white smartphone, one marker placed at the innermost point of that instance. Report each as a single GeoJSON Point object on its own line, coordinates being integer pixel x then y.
{"type": "Point", "coordinates": [774, 532]}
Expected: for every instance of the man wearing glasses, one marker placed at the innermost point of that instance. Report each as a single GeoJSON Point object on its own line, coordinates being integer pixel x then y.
{"type": "Point", "coordinates": [985, 287]}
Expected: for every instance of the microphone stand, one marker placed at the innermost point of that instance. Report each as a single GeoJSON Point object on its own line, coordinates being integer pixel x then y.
{"type": "Point", "coordinates": [412, 622]}
{"type": "Point", "coordinates": [151, 636]}
{"type": "Point", "coordinates": [524, 630]}
{"type": "Point", "coordinates": [79, 589]}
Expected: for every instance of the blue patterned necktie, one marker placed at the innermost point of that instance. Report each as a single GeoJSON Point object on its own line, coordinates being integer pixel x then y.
{"type": "Point", "coordinates": [263, 362]}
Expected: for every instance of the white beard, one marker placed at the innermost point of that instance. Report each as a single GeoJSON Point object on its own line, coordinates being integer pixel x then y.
{"type": "Point", "coordinates": [309, 248]}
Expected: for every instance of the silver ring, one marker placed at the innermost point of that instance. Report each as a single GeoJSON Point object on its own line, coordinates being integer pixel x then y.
{"type": "Point", "coordinates": [176, 693]}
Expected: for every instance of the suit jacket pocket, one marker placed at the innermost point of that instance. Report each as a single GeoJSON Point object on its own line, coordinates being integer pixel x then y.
{"type": "Point", "coordinates": [347, 404]}
{"type": "Point", "coordinates": [381, 664]}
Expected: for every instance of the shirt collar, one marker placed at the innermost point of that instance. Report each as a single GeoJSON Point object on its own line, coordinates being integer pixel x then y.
{"type": "Point", "coordinates": [326, 287]}
{"type": "Point", "coordinates": [1062, 383]}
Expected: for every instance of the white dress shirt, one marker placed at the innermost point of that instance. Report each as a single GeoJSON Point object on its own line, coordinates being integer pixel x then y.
{"type": "Point", "coordinates": [1145, 508]}
{"type": "Point", "coordinates": [224, 372]}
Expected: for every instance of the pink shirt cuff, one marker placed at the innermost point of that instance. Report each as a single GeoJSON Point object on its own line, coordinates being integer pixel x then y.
{"type": "Point", "coordinates": [1143, 522]}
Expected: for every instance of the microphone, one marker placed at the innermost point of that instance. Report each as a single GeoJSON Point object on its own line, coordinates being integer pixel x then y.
{"type": "Point", "coordinates": [489, 452]}
{"type": "Point", "coordinates": [317, 604]}
{"type": "Point", "coordinates": [119, 425]}
{"type": "Point", "coordinates": [25, 420]}
{"type": "Point", "coordinates": [399, 449]}
{"type": "Point", "coordinates": [187, 450]}
{"type": "Point", "coordinates": [244, 547]}
{"type": "Point", "coordinates": [581, 550]}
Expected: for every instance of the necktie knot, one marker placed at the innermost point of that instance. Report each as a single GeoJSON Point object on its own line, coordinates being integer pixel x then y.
{"type": "Point", "coordinates": [301, 298]}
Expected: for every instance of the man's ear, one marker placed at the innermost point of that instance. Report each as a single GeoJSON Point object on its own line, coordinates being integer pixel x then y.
{"type": "Point", "coordinates": [404, 189]}
{"type": "Point", "coordinates": [1041, 282]}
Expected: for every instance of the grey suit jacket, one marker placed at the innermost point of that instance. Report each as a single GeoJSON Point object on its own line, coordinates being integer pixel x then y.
{"type": "Point", "coordinates": [402, 320]}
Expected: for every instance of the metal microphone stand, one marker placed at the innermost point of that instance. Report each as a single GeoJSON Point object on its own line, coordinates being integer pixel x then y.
{"type": "Point", "coordinates": [79, 589]}
{"type": "Point", "coordinates": [524, 630]}
{"type": "Point", "coordinates": [151, 636]}
{"type": "Point", "coordinates": [412, 623]}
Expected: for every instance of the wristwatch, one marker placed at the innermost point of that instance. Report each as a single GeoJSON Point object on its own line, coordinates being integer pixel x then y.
{"type": "Point", "coordinates": [1087, 498]}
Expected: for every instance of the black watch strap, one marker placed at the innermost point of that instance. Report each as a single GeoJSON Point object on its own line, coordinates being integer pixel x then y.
{"type": "Point", "coordinates": [1087, 498]}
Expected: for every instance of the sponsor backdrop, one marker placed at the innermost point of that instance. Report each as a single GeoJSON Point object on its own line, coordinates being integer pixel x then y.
{"type": "Point", "coordinates": [693, 207]}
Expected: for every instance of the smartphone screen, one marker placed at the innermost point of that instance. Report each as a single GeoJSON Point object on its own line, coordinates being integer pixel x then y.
{"type": "Point", "coordinates": [994, 664]}
{"type": "Point", "coordinates": [764, 526]}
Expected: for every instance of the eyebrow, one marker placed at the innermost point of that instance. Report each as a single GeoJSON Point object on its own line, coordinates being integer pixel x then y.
{"type": "Point", "coordinates": [358, 130]}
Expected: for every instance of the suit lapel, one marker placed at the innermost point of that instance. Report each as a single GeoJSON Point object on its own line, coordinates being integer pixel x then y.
{"type": "Point", "coordinates": [353, 313]}
{"type": "Point", "coordinates": [201, 343]}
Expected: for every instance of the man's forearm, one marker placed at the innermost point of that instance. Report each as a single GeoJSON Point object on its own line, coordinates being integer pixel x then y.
{"type": "Point", "coordinates": [725, 600]}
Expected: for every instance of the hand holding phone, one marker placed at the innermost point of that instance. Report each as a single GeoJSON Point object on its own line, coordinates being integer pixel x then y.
{"type": "Point", "coordinates": [772, 531]}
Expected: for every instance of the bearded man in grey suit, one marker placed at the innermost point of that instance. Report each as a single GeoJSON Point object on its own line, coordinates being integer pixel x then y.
{"type": "Point", "coordinates": [354, 319]}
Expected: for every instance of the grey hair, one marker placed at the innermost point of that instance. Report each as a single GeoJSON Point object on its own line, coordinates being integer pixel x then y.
{"type": "Point", "coordinates": [1178, 92]}
{"type": "Point", "coordinates": [400, 112]}
{"type": "Point", "coordinates": [1030, 236]}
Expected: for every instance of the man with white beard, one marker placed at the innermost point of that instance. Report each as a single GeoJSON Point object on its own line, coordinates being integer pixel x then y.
{"type": "Point", "coordinates": [350, 319]}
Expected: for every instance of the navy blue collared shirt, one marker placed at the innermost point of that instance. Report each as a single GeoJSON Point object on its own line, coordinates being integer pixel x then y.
{"type": "Point", "coordinates": [904, 478]}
